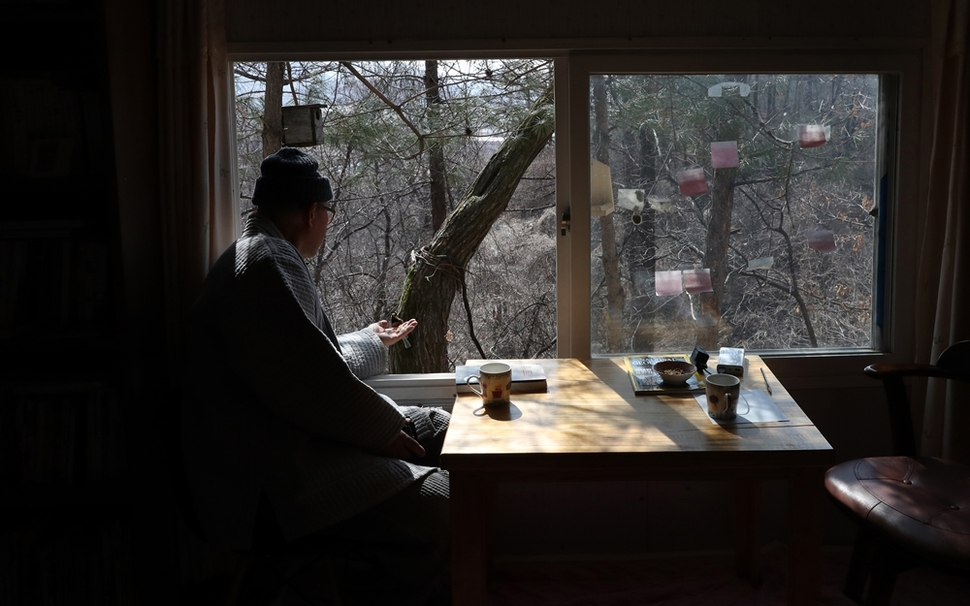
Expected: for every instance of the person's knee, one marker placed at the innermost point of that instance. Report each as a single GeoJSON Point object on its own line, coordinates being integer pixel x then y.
{"type": "Point", "coordinates": [435, 490]}
{"type": "Point", "coordinates": [440, 418]}
{"type": "Point", "coordinates": [436, 487]}
{"type": "Point", "coordinates": [431, 425]}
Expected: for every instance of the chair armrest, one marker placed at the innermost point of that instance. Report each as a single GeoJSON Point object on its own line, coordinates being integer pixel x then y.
{"type": "Point", "coordinates": [885, 371]}
{"type": "Point", "coordinates": [900, 421]}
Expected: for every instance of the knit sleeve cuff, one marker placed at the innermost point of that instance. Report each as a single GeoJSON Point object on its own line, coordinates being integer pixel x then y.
{"type": "Point", "coordinates": [365, 353]}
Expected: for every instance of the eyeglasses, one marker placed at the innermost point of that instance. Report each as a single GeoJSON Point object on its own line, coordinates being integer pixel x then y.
{"type": "Point", "coordinates": [331, 212]}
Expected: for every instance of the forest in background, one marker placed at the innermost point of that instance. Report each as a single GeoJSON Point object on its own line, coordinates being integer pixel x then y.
{"type": "Point", "coordinates": [757, 191]}
{"type": "Point", "coordinates": [444, 177]}
{"type": "Point", "coordinates": [406, 146]}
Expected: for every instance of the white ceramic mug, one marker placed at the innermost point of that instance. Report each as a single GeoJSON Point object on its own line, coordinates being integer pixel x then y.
{"type": "Point", "coordinates": [723, 391]}
{"type": "Point", "coordinates": [495, 381]}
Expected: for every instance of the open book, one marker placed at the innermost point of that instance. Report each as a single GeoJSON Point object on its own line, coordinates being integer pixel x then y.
{"type": "Point", "coordinates": [646, 380]}
{"type": "Point", "coordinates": [526, 378]}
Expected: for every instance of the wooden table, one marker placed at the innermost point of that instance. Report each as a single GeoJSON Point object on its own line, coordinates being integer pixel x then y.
{"type": "Point", "coordinates": [590, 427]}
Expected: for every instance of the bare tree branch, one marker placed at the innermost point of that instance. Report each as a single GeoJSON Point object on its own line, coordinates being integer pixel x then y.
{"type": "Point", "coordinates": [394, 106]}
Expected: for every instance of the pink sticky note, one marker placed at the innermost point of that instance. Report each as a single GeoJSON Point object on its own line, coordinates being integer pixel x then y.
{"type": "Point", "coordinates": [811, 135]}
{"type": "Point", "coordinates": [692, 182]}
{"type": "Point", "coordinates": [668, 283]}
{"type": "Point", "coordinates": [724, 154]}
{"type": "Point", "coordinates": [822, 240]}
{"type": "Point", "coordinates": [697, 281]}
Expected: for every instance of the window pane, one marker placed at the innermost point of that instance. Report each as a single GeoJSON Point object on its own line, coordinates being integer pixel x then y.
{"type": "Point", "coordinates": [733, 210]}
{"type": "Point", "coordinates": [404, 144]}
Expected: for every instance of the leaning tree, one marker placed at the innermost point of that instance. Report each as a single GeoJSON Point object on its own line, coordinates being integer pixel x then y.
{"type": "Point", "coordinates": [437, 272]}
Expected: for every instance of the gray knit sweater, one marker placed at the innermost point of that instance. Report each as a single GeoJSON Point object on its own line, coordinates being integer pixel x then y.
{"type": "Point", "coordinates": [274, 405]}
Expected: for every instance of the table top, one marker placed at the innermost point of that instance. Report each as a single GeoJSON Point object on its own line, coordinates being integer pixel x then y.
{"type": "Point", "coordinates": [590, 415]}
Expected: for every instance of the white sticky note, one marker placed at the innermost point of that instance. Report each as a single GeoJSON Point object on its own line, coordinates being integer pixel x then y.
{"type": "Point", "coordinates": [762, 263]}
{"type": "Point", "coordinates": [600, 189]}
{"type": "Point", "coordinates": [719, 89]}
{"type": "Point", "coordinates": [630, 199]}
{"type": "Point", "coordinates": [661, 205]}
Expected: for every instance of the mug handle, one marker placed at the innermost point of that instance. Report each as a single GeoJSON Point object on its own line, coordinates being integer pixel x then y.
{"type": "Point", "coordinates": [477, 380]}
{"type": "Point", "coordinates": [746, 403]}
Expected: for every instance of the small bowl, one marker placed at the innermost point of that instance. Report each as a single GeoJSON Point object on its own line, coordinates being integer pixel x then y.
{"type": "Point", "coordinates": [674, 372]}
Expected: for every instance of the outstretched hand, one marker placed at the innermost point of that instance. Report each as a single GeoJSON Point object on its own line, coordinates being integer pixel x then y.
{"type": "Point", "coordinates": [403, 447]}
{"type": "Point", "coordinates": [390, 335]}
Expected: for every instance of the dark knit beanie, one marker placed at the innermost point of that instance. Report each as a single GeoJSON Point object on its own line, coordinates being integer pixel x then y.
{"type": "Point", "coordinates": [290, 178]}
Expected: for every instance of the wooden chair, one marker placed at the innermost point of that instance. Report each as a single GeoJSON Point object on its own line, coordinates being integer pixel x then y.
{"type": "Point", "coordinates": [911, 510]}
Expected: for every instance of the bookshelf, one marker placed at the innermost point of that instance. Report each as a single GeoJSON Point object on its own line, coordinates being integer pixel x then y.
{"type": "Point", "coordinates": [65, 536]}
{"type": "Point", "coordinates": [55, 278]}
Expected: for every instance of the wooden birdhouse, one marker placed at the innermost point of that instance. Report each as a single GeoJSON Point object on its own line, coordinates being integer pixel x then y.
{"type": "Point", "coordinates": [303, 125]}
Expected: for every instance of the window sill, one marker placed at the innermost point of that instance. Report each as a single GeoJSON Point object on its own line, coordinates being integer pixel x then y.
{"type": "Point", "coordinates": [415, 386]}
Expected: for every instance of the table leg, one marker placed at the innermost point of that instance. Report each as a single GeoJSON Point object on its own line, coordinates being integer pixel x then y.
{"type": "Point", "coordinates": [747, 527]}
{"type": "Point", "coordinates": [805, 538]}
{"type": "Point", "coordinates": [471, 513]}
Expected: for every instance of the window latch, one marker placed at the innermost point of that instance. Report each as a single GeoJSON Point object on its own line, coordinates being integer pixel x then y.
{"type": "Point", "coordinates": [564, 225]}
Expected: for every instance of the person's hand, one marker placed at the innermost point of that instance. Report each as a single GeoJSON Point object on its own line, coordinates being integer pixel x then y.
{"type": "Point", "coordinates": [403, 447]}
{"type": "Point", "coordinates": [390, 335]}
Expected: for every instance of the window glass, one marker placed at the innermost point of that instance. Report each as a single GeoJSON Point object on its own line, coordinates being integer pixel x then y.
{"type": "Point", "coordinates": [733, 210]}
{"type": "Point", "coordinates": [404, 144]}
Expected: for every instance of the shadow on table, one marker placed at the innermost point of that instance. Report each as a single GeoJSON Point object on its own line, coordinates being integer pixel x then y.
{"type": "Point", "coordinates": [509, 412]}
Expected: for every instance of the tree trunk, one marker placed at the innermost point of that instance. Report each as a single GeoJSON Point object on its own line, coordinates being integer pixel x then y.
{"type": "Point", "coordinates": [436, 156]}
{"type": "Point", "coordinates": [725, 113]}
{"type": "Point", "coordinates": [437, 271]}
{"type": "Point", "coordinates": [648, 175]}
{"type": "Point", "coordinates": [273, 109]}
{"type": "Point", "coordinates": [708, 310]}
{"type": "Point", "coordinates": [615, 297]}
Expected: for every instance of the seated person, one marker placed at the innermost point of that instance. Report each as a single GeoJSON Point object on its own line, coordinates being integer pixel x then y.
{"type": "Point", "coordinates": [281, 437]}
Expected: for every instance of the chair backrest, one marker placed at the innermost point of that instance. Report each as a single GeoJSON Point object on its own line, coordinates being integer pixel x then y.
{"type": "Point", "coordinates": [953, 363]}
{"type": "Point", "coordinates": [955, 358]}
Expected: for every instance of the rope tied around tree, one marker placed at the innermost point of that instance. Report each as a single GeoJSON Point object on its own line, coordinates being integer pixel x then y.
{"type": "Point", "coordinates": [457, 272]}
